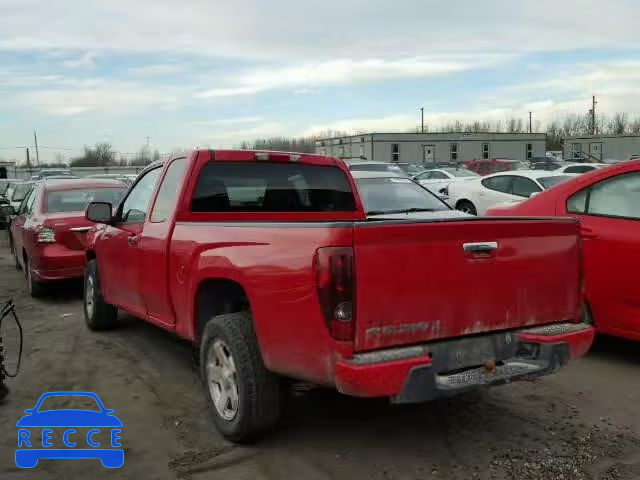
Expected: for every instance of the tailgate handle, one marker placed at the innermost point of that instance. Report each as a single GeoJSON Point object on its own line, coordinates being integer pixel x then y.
{"type": "Point", "coordinates": [480, 247]}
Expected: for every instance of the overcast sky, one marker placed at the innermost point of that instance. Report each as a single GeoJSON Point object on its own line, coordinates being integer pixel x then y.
{"type": "Point", "coordinates": [215, 72]}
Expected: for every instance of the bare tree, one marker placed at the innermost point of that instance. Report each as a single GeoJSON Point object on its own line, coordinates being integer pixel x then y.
{"type": "Point", "coordinates": [100, 155]}
{"type": "Point", "coordinates": [618, 124]}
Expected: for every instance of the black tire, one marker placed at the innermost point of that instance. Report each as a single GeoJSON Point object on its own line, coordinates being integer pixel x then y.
{"type": "Point", "coordinates": [260, 393]}
{"type": "Point", "coordinates": [13, 252]}
{"type": "Point", "coordinates": [587, 315]}
{"type": "Point", "coordinates": [36, 288]}
{"type": "Point", "coordinates": [98, 314]}
{"type": "Point", "coordinates": [467, 207]}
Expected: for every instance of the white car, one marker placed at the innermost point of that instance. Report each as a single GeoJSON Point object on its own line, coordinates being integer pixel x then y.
{"type": "Point", "coordinates": [367, 166]}
{"type": "Point", "coordinates": [386, 196]}
{"type": "Point", "coordinates": [478, 195]}
{"type": "Point", "coordinates": [578, 168]}
{"type": "Point", "coordinates": [437, 180]}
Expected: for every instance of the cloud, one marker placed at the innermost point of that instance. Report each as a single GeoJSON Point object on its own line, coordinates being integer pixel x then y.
{"type": "Point", "coordinates": [348, 71]}
{"type": "Point", "coordinates": [86, 61]}
{"type": "Point", "coordinates": [229, 121]}
{"type": "Point", "coordinates": [156, 70]}
{"type": "Point", "coordinates": [103, 97]}
{"type": "Point", "coordinates": [252, 29]}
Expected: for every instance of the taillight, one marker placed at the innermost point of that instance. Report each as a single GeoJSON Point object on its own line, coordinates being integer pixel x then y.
{"type": "Point", "coordinates": [46, 235]}
{"type": "Point", "coordinates": [336, 288]}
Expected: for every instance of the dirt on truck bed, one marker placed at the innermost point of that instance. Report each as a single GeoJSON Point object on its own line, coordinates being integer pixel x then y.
{"type": "Point", "coordinates": [583, 423]}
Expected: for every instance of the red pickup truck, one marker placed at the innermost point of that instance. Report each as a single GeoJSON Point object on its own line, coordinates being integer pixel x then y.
{"type": "Point", "coordinates": [268, 262]}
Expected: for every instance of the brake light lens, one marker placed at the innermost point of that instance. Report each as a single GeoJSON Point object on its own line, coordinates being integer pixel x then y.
{"type": "Point", "coordinates": [46, 235]}
{"type": "Point", "coordinates": [335, 282]}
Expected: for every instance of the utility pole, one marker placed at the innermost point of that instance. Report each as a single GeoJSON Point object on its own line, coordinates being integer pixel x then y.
{"type": "Point", "coordinates": [148, 143]}
{"type": "Point", "coordinates": [530, 127]}
{"type": "Point", "coordinates": [35, 139]}
{"type": "Point", "coordinates": [28, 160]}
{"type": "Point", "coordinates": [421, 119]}
{"type": "Point", "coordinates": [593, 115]}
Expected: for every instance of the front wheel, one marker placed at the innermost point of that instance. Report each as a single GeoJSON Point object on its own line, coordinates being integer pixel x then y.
{"type": "Point", "coordinates": [244, 398]}
{"type": "Point", "coordinates": [467, 207]}
{"type": "Point", "coordinates": [98, 314]}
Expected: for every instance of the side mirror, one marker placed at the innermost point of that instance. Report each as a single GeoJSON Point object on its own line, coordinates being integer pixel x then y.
{"type": "Point", "coordinates": [7, 211]}
{"type": "Point", "coordinates": [99, 212]}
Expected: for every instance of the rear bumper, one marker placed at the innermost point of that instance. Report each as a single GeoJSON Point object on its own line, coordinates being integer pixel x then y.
{"type": "Point", "coordinates": [56, 262]}
{"type": "Point", "coordinates": [424, 372]}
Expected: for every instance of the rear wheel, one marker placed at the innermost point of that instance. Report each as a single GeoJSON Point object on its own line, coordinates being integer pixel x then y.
{"type": "Point", "coordinates": [13, 252]}
{"type": "Point", "coordinates": [36, 288]}
{"type": "Point", "coordinates": [98, 314]}
{"type": "Point", "coordinates": [467, 207]}
{"type": "Point", "coordinates": [244, 398]}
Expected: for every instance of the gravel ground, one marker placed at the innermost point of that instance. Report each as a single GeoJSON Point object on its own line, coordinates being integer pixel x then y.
{"type": "Point", "coordinates": [583, 423]}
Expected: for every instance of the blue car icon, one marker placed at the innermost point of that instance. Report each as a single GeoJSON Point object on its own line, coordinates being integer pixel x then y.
{"type": "Point", "coordinates": [30, 449]}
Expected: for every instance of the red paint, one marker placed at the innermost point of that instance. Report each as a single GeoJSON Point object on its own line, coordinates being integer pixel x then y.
{"type": "Point", "coordinates": [611, 251]}
{"type": "Point", "coordinates": [405, 275]}
{"type": "Point", "coordinates": [64, 258]}
{"type": "Point", "coordinates": [487, 166]}
{"type": "Point", "coordinates": [377, 380]}
{"type": "Point", "coordinates": [579, 342]}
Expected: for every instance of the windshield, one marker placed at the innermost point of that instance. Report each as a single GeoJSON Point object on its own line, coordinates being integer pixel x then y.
{"type": "Point", "coordinates": [394, 195]}
{"type": "Point", "coordinates": [517, 166]}
{"type": "Point", "coordinates": [76, 200]}
{"type": "Point", "coordinates": [460, 172]}
{"type": "Point", "coordinates": [548, 182]}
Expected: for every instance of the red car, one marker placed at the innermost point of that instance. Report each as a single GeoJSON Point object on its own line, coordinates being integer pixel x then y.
{"type": "Point", "coordinates": [488, 166]}
{"type": "Point", "coordinates": [47, 235]}
{"type": "Point", "coordinates": [282, 266]}
{"type": "Point", "coordinates": [607, 202]}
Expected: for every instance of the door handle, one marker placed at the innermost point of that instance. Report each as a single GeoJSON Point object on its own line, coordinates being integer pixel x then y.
{"type": "Point", "coordinates": [132, 240]}
{"type": "Point", "coordinates": [480, 247]}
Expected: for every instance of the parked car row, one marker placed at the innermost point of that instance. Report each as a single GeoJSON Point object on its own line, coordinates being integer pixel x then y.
{"type": "Point", "coordinates": [46, 236]}
{"type": "Point", "coordinates": [390, 291]}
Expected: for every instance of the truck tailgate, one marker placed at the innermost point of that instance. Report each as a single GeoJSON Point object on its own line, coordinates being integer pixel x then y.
{"type": "Point", "coordinates": [422, 281]}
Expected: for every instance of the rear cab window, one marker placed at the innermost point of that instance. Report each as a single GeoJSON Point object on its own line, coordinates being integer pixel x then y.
{"type": "Point", "coordinates": [271, 187]}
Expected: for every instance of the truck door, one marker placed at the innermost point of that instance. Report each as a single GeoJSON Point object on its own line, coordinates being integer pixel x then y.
{"type": "Point", "coordinates": [154, 245]}
{"type": "Point", "coordinates": [118, 256]}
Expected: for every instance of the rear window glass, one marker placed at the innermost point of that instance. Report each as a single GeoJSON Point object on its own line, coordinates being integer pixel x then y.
{"type": "Point", "coordinates": [271, 187]}
{"type": "Point", "coordinates": [76, 200]}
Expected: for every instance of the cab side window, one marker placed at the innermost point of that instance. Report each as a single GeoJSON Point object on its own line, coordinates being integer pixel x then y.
{"type": "Point", "coordinates": [136, 205]}
{"type": "Point", "coordinates": [616, 197]}
{"type": "Point", "coordinates": [168, 192]}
